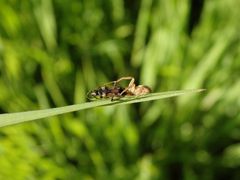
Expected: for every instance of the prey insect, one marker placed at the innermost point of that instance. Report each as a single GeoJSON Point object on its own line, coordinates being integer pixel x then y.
{"type": "Point", "coordinates": [114, 91]}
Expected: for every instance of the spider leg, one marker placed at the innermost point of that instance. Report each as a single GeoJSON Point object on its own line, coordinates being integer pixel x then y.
{"type": "Point", "coordinates": [112, 82]}
{"type": "Point", "coordinates": [125, 78]}
{"type": "Point", "coordinates": [119, 80]}
{"type": "Point", "coordinates": [131, 85]}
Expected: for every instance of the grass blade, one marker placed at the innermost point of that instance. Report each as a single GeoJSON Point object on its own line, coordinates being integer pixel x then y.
{"type": "Point", "coordinates": [20, 117]}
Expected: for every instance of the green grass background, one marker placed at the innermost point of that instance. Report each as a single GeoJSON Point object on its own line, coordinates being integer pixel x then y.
{"type": "Point", "coordinates": [52, 52]}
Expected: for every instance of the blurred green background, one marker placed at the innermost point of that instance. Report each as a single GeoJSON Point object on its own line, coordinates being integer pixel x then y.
{"type": "Point", "coordinates": [52, 52]}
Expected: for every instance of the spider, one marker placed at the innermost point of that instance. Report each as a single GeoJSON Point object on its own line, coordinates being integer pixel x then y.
{"type": "Point", "coordinates": [115, 91]}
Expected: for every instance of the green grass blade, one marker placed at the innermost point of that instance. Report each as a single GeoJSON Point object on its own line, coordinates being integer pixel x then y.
{"type": "Point", "coordinates": [20, 117]}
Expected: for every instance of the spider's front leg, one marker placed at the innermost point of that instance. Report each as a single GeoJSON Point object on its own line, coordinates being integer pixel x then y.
{"type": "Point", "coordinates": [131, 85]}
